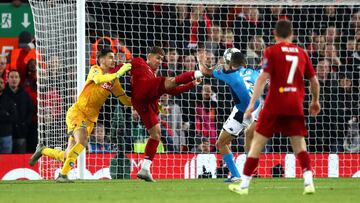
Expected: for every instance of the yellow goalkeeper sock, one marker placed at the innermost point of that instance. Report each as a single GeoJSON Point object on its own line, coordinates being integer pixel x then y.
{"type": "Point", "coordinates": [54, 153]}
{"type": "Point", "coordinates": [71, 158]}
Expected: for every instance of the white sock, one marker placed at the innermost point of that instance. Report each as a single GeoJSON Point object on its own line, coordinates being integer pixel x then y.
{"type": "Point", "coordinates": [198, 74]}
{"type": "Point", "coordinates": [245, 181]}
{"type": "Point", "coordinates": [308, 178]}
{"type": "Point", "coordinates": [146, 164]}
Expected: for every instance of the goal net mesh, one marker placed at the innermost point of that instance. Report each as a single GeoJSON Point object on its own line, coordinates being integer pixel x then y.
{"type": "Point", "coordinates": [191, 122]}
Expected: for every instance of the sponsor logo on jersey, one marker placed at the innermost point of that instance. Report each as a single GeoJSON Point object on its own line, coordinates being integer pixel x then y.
{"type": "Point", "coordinates": [287, 89]}
{"type": "Point", "coordinates": [108, 86]}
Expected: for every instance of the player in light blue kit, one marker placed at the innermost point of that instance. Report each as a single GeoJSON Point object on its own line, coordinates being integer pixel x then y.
{"type": "Point", "coordinates": [241, 80]}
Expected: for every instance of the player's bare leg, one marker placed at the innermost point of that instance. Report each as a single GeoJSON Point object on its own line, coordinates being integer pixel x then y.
{"type": "Point", "coordinates": [248, 136]}
{"type": "Point", "coordinates": [172, 82]}
{"type": "Point", "coordinates": [223, 145]}
{"type": "Point", "coordinates": [251, 164]}
{"type": "Point", "coordinates": [81, 141]}
{"type": "Point", "coordinates": [299, 147]}
{"type": "Point", "coordinates": [150, 151]}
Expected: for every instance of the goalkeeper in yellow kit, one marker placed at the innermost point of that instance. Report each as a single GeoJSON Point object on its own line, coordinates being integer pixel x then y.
{"type": "Point", "coordinates": [83, 114]}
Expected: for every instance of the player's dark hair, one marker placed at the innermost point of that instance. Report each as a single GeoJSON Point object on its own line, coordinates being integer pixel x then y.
{"type": "Point", "coordinates": [283, 28]}
{"type": "Point", "coordinates": [238, 59]}
{"type": "Point", "coordinates": [102, 53]}
{"type": "Point", "coordinates": [156, 50]}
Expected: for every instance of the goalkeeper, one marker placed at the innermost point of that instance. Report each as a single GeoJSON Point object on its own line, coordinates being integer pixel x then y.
{"type": "Point", "coordinates": [83, 114]}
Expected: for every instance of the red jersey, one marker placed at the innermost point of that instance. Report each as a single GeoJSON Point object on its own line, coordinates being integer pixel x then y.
{"type": "Point", "coordinates": [141, 73]}
{"type": "Point", "coordinates": [287, 65]}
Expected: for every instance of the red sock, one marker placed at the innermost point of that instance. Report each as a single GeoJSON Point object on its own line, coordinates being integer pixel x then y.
{"type": "Point", "coordinates": [150, 148]}
{"type": "Point", "coordinates": [304, 160]}
{"type": "Point", "coordinates": [250, 165]}
{"type": "Point", "coordinates": [185, 78]}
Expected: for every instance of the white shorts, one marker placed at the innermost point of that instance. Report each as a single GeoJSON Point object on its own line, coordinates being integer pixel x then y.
{"type": "Point", "coordinates": [234, 124]}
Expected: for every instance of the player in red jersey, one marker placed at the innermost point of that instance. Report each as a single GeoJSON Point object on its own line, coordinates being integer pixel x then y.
{"type": "Point", "coordinates": [147, 88]}
{"type": "Point", "coordinates": [285, 64]}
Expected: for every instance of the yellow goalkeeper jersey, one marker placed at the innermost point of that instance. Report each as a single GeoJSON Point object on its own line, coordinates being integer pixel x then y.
{"type": "Point", "coordinates": [93, 95]}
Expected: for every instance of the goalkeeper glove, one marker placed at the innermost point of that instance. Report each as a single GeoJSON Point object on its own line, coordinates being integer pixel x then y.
{"type": "Point", "coordinates": [161, 108]}
{"type": "Point", "coordinates": [126, 67]}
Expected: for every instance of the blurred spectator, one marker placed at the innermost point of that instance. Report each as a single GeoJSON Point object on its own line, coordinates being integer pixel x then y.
{"type": "Point", "coordinates": [332, 55]}
{"type": "Point", "coordinates": [172, 114]}
{"type": "Point", "coordinates": [206, 115]}
{"type": "Point", "coordinates": [171, 67]}
{"type": "Point", "coordinates": [352, 138]}
{"type": "Point", "coordinates": [354, 28]}
{"type": "Point", "coordinates": [215, 14]}
{"type": "Point", "coordinates": [213, 41]}
{"type": "Point", "coordinates": [197, 26]}
{"type": "Point", "coordinates": [353, 61]}
{"type": "Point", "coordinates": [347, 106]}
{"type": "Point", "coordinates": [187, 102]}
{"type": "Point", "coordinates": [247, 26]}
{"type": "Point", "coordinates": [25, 110]}
{"type": "Point", "coordinates": [120, 134]}
{"type": "Point", "coordinates": [98, 142]}
{"type": "Point", "coordinates": [189, 63]}
{"type": "Point", "coordinates": [173, 29]}
{"type": "Point", "coordinates": [210, 59]}
{"type": "Point", "coordinates": [332, 36]}
{"type": "Point", "coordinates": [138, 131]}
{"type": "Point", "coordinates": [317, 48]}
{"type": "Point", "coordinates": [203, 147]}
{"type": "Point", "coordinates": [23, 54]}
{"type": "Point", "coordinates": [3, 67]}
{"type": "Point", "coordinates": [254, 50]}
{"type": "Point", "coordinates": [320, 126]}
{"type": "Point", "coordinates": [122, 53]}
{"type": "Point", "coordinates": [271, 16]}
{"type": "Point", "coordinates": [16, 3]}
{"type": "Point", "coordinates": [8, 115]}
{"type": "Point", "coordinates": [30, 87]}
{"type": "Point", "coordinates": [227, 40]}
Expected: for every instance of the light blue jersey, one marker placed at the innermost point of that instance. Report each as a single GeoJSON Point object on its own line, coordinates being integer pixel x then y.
{"type": "Point", "coordinates": [241, 82]}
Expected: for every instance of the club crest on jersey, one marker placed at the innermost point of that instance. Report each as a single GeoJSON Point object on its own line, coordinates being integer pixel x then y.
{"type": "Point", "coordinates": [108, 86]}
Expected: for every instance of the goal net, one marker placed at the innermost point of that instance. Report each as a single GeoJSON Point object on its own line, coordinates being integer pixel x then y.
{"type": "Point", "coordinates": [328, 30]}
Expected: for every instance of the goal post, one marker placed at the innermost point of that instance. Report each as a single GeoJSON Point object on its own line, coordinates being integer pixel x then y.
{"type": "Point", "coordinates": [68, 33]}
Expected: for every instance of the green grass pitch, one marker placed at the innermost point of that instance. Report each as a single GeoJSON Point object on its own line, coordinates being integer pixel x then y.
{"type": "Point", "coordinates": [206, 191]}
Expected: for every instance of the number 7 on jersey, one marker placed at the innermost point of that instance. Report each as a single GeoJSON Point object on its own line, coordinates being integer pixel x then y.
{"type": "Point", "coordinates": [294, 62]}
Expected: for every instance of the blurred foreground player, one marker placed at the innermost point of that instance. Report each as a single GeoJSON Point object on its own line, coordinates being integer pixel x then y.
{"type": "Point", "coordinates": [286, 65]}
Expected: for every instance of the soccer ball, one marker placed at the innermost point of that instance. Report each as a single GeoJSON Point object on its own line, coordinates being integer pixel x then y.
{"type": "Point", "coordinates": [228, 53]}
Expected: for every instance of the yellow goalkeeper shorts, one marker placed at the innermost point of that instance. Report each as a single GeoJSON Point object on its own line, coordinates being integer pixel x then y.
{"type": "Point", "coordinates": [76, 119]}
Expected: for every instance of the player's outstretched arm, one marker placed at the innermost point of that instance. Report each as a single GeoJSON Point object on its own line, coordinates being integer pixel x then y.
{"type": "Point", "coordinates": [124, 68]}
{"type": "Point", "coordinates": [119, 92]}
{"type": "Point", "coordinates": [314, 107]}
{"type": "Point", "coordinates": [100, 78]}
{"type": "Point", "coordinates": [258, 90]}
{"type": "Point", "coordinates": [125, 100]}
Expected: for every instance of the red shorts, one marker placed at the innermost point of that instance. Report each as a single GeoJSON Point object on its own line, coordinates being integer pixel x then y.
{"type": "Point", "coordinates": [145, 100]}
{"type": "Point", "coordinates": [148, 113]}
{"type": "Point", "coordinates": [268, 124]}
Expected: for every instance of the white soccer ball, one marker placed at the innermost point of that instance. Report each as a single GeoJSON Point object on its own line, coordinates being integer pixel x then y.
{"type": "Point", "coordinates": [228, 53]}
